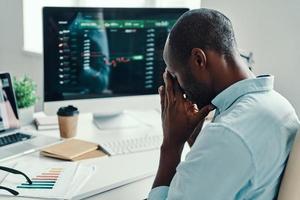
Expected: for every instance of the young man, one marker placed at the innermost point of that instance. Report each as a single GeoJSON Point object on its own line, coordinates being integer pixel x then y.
{"type": "Point", "coordinates": [242, 153]}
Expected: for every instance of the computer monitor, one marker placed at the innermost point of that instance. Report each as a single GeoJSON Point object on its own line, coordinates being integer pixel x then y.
{"type": "Point", "coordinates": [104, 59]}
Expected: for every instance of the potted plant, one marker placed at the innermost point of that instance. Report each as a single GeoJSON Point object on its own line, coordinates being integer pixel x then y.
{"type": "Point", "coordinates": [25, 91]}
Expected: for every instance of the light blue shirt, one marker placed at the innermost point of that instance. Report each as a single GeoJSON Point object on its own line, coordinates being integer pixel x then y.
{"type": "Point", "coordinates": [240, 155]}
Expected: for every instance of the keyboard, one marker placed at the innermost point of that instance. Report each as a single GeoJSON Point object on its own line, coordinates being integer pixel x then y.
{"type": "Point", "coordinates": [133, 145]}
{"type": "Point", "coordinates": [13, 138]}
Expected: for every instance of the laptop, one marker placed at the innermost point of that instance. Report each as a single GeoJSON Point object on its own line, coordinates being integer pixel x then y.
{"type": "Point", "coordinates": [13, 141]}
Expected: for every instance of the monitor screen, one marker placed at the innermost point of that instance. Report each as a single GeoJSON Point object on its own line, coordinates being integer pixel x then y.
{"type": "Point", "coordinates": [104, 52]}
{"type": "Point", "coordinates": [8, 107]}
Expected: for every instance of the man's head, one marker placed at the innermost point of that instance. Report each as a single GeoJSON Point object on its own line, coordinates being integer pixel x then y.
{"type": "Point", "coordinates": [199, 41]}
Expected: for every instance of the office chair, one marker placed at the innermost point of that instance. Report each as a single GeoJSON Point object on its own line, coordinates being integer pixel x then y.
{"type": "Point", "coordinates": [290, 184]}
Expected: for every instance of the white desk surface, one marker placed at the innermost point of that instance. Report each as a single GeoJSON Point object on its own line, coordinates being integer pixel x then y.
{"type": "Point", "coordinates": [145, 161]}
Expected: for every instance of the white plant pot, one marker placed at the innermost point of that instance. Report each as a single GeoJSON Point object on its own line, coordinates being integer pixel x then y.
{"type": "Point", "coordinates": [26, 115]}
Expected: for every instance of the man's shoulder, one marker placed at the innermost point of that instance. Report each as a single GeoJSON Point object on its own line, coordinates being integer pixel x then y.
{"type": "Point", "coordinates": [260, 117]}
{"type": "Point", "coordinates": [258, 110]}
{"type": "Point", "coordinates": [264, 122]}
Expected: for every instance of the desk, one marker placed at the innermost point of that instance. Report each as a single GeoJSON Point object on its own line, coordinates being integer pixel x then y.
{"type": "Point", "coordinates": [145, 162]}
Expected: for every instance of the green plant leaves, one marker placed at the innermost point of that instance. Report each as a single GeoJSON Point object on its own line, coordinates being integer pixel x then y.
{"type": "Point", "coordinates": [25, 90]}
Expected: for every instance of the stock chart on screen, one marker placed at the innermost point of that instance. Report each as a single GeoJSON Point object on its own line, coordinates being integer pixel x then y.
{"type": "Point", "coordinates": [106, 52]}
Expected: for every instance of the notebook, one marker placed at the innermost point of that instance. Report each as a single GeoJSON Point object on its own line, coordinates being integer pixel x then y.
{"type": "Point", "coordinates": [73, 150]}
{"type": "Point", "coordinates": [46, 122]}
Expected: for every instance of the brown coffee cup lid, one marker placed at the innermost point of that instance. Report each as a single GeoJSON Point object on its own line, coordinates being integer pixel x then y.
{"type": "Point", "coordinates": [67, 111]}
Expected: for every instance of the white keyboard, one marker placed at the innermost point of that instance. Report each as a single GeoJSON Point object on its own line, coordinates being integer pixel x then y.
{"type": "Point", "coordinates": [132, 145]}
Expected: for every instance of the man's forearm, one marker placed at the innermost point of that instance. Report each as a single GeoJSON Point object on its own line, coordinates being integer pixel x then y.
{"type": "Point", "coordinates": [169, 160]}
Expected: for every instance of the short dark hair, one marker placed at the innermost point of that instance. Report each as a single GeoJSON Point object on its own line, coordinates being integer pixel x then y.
{"type": "Point", "coordinates": [202, 28]}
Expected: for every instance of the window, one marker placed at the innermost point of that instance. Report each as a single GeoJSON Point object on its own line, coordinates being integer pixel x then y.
{"type": "Point", "coordinates": [32, 14]}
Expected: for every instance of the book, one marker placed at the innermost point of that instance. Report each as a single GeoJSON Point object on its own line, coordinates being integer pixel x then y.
{"type": "Point", "coordinates": [46, 122]}
{"type": "Point", "coordinates": [73, 150]}
{"type": "Point", "coordinates": [46, 127]}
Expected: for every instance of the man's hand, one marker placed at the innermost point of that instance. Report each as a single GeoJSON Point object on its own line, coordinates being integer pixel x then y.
{"type": "Point", "coordinates": [180, 119]}
{"type": "Point", "coordinates": [179, 116]}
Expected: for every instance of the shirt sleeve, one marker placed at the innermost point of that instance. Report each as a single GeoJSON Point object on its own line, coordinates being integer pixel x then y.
{"type": "Point", "coordinates": [218, 166]}
{"type": "Point", "coordinates": [160, 192]}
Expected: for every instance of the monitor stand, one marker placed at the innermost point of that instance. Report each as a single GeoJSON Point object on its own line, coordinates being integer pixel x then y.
{"type": "Point", "coordinates": [114, 120]}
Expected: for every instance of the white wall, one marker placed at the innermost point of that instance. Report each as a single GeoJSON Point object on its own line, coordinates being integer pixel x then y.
{"type": "Point", "coordinates": [271, 30]}
{"type": "Point", "coordinates": [12, 58]}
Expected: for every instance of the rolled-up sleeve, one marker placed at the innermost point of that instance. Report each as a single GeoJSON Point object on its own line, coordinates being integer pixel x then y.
{"type": "Point", "coordinates": [218, 166]}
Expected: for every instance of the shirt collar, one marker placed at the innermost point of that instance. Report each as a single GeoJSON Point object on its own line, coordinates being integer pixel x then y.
{"type": "Point", "coordinates": [226, 98]}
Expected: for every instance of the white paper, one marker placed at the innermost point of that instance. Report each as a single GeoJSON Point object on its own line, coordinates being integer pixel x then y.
{"type": "Point", "coordinates": [83, 174]}
{"type": "Point", "coordinates": [51, 180]}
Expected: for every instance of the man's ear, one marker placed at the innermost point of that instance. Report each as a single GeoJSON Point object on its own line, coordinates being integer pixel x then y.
{"type": "Point", "coordinates": [198, 58]}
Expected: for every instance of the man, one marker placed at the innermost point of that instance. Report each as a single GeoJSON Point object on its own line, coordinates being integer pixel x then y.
{"type": "Point", "coordinates": [242, 153]}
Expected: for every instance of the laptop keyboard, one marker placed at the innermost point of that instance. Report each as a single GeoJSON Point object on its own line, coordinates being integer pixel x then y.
{"type": "Point", "coordinates": [13, 138]}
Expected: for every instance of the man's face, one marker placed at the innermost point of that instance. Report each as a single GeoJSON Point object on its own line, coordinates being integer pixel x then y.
{"type": "Point", "coordinates": [194, 86]}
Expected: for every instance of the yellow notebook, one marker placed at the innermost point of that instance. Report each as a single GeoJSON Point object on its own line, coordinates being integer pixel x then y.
{"type": "Point", "coordinates": [73, 149]}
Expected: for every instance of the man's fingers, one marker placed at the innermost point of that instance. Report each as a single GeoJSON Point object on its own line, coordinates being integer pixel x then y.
{"type": "Point", "coordinates": [190, 107]}
{"type": "Point", "coordinates": [169, 92]}
{"type": "Point", "coordinates": [203, 112]}
{"type": "Point", "coordinates": [161, 91]}
{"type": "Point", "coordinates": [177, 90]}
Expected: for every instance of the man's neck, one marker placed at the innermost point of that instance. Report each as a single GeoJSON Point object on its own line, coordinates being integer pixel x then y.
{"type": "Point", "coordinates": [230, 72]}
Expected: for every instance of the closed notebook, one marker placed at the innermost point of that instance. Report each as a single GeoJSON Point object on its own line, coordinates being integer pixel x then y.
{"type": "Point", "coordinates": [73, 149]}
{"type": "Point", "coordinates": [46, 123]}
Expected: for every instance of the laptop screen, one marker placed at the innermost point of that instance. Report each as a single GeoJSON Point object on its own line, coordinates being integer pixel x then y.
{"type": "Point", "coordinates": [8, 107]}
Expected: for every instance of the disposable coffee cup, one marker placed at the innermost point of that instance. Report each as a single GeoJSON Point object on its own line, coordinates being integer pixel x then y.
{"type": "Point", "coordinates": [67, 120]}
